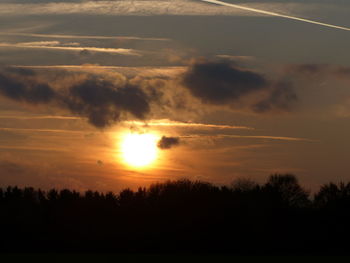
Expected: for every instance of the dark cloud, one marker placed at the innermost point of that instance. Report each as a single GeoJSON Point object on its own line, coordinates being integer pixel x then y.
{"type": "Point", "coordinates": [21, 71]}
{"type": "Point", "coordinates": [307, 68]}
{"type": "Point", "coordinates": [103, 101]}
{"type": "Point", "coordinates": [343, 71]}
{"type": "Point", "coordinates": [168, 142]}
{"type": "Point", "coordinates": [29, 91]}
{"type": "Point", "coordinates": [221, 82]}
{"type": "Point", "coordinates": [105, 98]}
{"type": "Point", "coordinates": [319, 70]}
{"type": "Point", "coordinates": [281, 97]}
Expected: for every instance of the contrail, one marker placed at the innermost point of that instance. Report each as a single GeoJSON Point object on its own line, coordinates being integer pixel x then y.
{"type": "Point", "coordinates": [275, 14]}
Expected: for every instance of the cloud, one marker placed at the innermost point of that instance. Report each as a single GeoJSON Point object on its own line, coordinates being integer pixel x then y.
{"type": "Point", "coordinates": [53, 45]}
{"type": "Point", "coordinates": [29, 148]}
{"type": "Point", "coordinates": [281, 97]}
{"type": "Point", "coordinates": [236, 58]}
{"type": "Point", "coordinates": [108, 97]}
{"type": "Point", "coordinates": [307, 69]}
{"type": "Point", "coordinates": [124, 7]}
{"type": "Point", "coordinates": [27, 130]}
{"type": "Point", "coordinates": [224, 84]}
{"type": "Point", "coordinates": [102, 100]}
{"type": "Point", "coordinates": [262, 137]}
{"type": "Point", "coordinates": [163, 72]}
{"type": "Point", "coordinates": [170, 123]}
{"type": "Point", "coordinates": [31, 91]}
{"type": "Point", "coordinates": [38, 117]}
{"type": "Point", "coordinates": [168, 142]}
{"type": "Point", "coordinates": [41, 43]}
{"type": "Point", "coordinates": [25, 71]}
{"type": "Point", "coordinates": [319, 70]}
{"type": "Point", "coordinates": [105, 96]}
{"type": "Point", "coordinates": [221, 82]}
{"type": "Point", "coordinates": [64, 36]}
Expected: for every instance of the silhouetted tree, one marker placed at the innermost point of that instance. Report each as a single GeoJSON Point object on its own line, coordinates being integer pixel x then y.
{"type": "Point", "coordinates": [126, 197]}
{"type": "Point", "coordinates": [179, 216]}
{"type": "Point", "coordinates": [286, 188]}
{"type": "Point", "coordinates": [244, 185]}
{"type": "Point", "coordinates": [52, 195]}
{"type": "Point", "coordinates": [332, 194]}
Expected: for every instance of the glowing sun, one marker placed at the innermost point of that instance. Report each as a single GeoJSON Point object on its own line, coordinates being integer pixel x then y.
{"type": "Point", "coordinates": [139, 150]}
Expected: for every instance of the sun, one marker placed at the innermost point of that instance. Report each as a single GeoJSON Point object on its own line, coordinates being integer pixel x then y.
{"type": "Point", "coordinates": [139, 150]}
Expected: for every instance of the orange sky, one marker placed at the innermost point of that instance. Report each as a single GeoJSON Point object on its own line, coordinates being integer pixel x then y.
{"type": "Point", "coordinates": [245, 94]}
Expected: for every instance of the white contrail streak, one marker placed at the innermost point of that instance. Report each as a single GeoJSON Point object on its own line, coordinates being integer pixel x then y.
{"type": "Point", "coordinates": [275, 14]}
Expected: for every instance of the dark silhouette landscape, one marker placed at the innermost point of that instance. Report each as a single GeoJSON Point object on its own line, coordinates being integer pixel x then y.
{"type": "Point", "coordinates": [278, 217]}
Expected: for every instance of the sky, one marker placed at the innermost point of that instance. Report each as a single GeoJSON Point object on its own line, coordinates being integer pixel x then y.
{"type": "Point", "coordinates": [229, 89]}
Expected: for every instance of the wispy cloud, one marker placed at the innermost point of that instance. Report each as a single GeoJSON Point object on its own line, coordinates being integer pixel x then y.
{"type": "Point", "coordinates": [64, 36]}
{"type": "Point", "coordinates": [20, 117]}
{"type": "Point", "coordinates": [263, 137]}
{"type": "Point", "coordinates": [86, 66]}
{"type": "Point", "coordinates": [125, 7]}
{"type": "Point", "coordinates": [269, 13]}
{"type": "Point", "coordinates": [41, 43]}
{"type": "Point", "coordinates": [236, 58]}
{"type": "Point", "coordinates": [41, 130]}
{"type": "Point", "coordinates": [149, 71]}
{"type": "Point", "coordinates": [169, 123]}
{"type": "Point", "coordinates": [50, 45]}
{"type": "Point", "coordinates": [29, 148]}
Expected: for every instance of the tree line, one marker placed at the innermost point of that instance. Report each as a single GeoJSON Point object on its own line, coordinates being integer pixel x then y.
{"type": "Point", "coordinates": [277, 217]}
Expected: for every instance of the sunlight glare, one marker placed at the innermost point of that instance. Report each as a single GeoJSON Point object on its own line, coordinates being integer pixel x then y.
{"type": "Point", "coordinates": [139, 150]}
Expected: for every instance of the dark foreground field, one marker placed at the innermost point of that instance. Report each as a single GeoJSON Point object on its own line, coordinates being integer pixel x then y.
{"type": "Point", "coordinates": [180, 217]}
{"type": "Point", "coordinates": [168, 258]}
